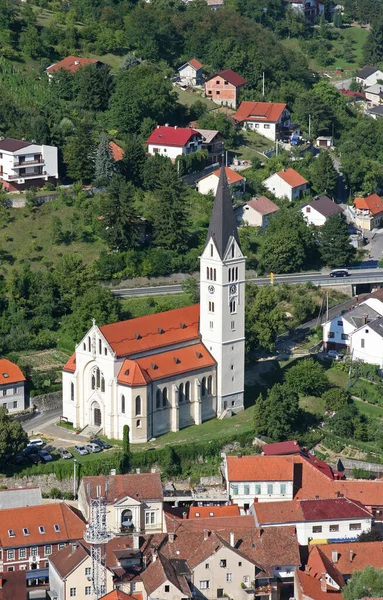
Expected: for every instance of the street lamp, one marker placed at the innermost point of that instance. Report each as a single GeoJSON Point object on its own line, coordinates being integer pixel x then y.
{"type": "Point", "coordinates": [74, 478]}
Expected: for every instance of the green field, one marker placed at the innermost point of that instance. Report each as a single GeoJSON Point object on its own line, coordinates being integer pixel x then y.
{"type": "Point", "coordinates": [375, 412]}
{"type": "Point", "coordinates": [313, 405]}
{"type": "Point", "coordinates": [253, 145]}
{"type": "Point", "coordinates": [189, 98]}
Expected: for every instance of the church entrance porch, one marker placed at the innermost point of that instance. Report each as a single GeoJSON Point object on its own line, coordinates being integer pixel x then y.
{"type": "Point", "coordinates": [96, 415]}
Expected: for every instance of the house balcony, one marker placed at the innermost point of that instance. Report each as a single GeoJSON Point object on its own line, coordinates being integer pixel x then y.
{"type": "Point", "coordinates": [28, 163]}
{"type": "Point", "coordinates": [36, 175]}
{"type": "Point", "coordinates": [262, 590]}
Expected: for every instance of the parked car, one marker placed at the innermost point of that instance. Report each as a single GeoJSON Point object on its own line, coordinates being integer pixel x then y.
{"type": "Point", "coordinates": [20, 459]}
{"type": "Point", "coordinates": [103, 445]}
{"type": "Point", "coordinates": [335, 355]}
{"type": "Point", "coordinates": [64, 453]}
{"type": "Point", "coordinates": [93, 447]}
{"type": "Point", "coordinates": [34, 458]}
{"type": "Point", "coordinates": [29, 450]}
{"type": "Point", "coordinates": [339, 273]}
{"type": "Point", "coordinates": [35, 443]}
{"type": "Point", "coordinates": [80, 450]}
{"type": "Point", "coordinates": [46, 457]}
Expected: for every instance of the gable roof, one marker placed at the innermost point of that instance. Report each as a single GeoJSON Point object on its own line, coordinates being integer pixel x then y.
{"type": "Point", "coordinates": [377, 326]}
{"type": "Point", "coordinates": [69, 558]}
{"type": "Point", "coordinates": [293, 511]}
{"type": "Point", "coordinates": [164, 135]}
{"type": "Point", "coordinates": [360, 315]}
{"type": "Point", "coordinates": [70, 365]}
{"type": "Point", "coordinates": [160, 571]}
{"type": "Point", "coordinates": [139, 486]}
{"type": "Point", "coordinates": [310, 588]}
{"type": "Point", "coordinates": [70, 525]}
{"type": "Point", "coordinates": [355, 556]}
{"type": "Point", "coordinates": [116, 151]}
{"type": "Point", "coordinates": [213, 512]}
{"type": "Point", "coordinates": [376, 89]}
{"type": "Point", "coordinates": [230, 76]}
{"type": "Point", "coordinates": [366, 72]}
{"type": "Point", "coordinates": [292, 178]}
{"type": "Point", "coordinates": [120, 595]}
{"type": "Point", "coordinates": [263, 205]}
{"type": "Point", "coordinates": [325, 206]}
{"type": "Point", "coordinates": [9, 372]}
{"type": "Point", "coordinates": [13, 585]}
{"type": "Point", "coordinates": [373, 203]}
{"type": "Point", "coordinates": [208, 135]}
{"type": "Point", "coordinates": [260, 468]}
{"type": "Point", "coordinates": [222, 224]}
{"type": "Point", "coordinates": [318, 563]}
{"type": "Point", "coordinates": [281, 448]}
{"type": "Point", "coordinates": [267, 112]}
{"type": "Point", "coordinates": [165, 364]}
{"type": "Point", "coordinates": [12, 145]}
{"type": "Point", "coordinates": [193, 63]}
{"type": "Point", "coordinates": [231, 175]}
{"type": "Point", "coordinates": [130, 337]}
{"type": "Point", "coordinates": [72, 64]}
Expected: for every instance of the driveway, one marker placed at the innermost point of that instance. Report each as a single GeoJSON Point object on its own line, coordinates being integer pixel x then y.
{"type": "Point", "coordinates": [375, 245]}
{"type": "Point", "coordinates": [45, 424]}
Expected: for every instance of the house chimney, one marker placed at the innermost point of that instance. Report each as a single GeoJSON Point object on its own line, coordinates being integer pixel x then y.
{"type": "Point", "coordinates": [364, 319]}
{"type": "Point", "coordinates": [351, 555]}
{"type": "Point", "coordinates": [74, 548]}
{"type": "Point", "coordinates": [334, 556]}
{"type": "Point", "coordinates": [232, 539]}
{"type": "Point", "coordinates": [171, 536]}
{"type": "Point", "coordinates": [205, 534]}
{"type": "Point", "coordinates": [184, 515]}
{"type": "Point", "coordinates": [323, 583]}
{"type": "Point", "coordinates": [138, 471]}
{"type": "Point", "coordinates": [307, 569]}
{"type": "Point", "coordinates": [136, 540]}
{"type": "Point", "coordinates": [144, 562]}
{"type": "Point", "coordinates": [154, 554]}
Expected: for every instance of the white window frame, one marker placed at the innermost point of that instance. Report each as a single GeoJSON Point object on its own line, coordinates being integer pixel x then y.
{"type": "Point", "coordinates": [72, 592]}
{"type": "Point", "coordinates": [10, 554]}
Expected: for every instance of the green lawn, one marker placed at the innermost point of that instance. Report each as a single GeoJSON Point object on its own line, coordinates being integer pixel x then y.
{"type": "Point", "coordinates": [189, 98]}
{"type": "Point", "coordinates": [253, 145]}
{"type": "Point", "coordinates": [113, 60]}
{"type": "Point", "coordinates": [375, 412]}
{"type": "Point", "coordinates": [313, 405]}
{"type": "Point", "coordinates": [336, 377]}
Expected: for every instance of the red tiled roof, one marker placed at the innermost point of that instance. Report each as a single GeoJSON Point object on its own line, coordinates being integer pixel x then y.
{"type": "Point", "coordinates": [263, 206]}
{"type": "Point", "coordinates": [290, 447]}
{"type": "Point", "coordinates": [291, 177]}
{"type": "Point", "coordinates": [71, 526]}
{"type": "Point", "coordinates": [143, 486]}
{"type": "Point", "coordinates": [130, 337]}
{"type": "Point", "coordinates": [165, 364]}
{"type": "Point", "coordinates": [71, 63]}
{"type": "Point", "coordinates": [318, 563]}
{"type": "Point", "coordinates": [200, 512]}
{"type": "Point", "coordinates": [116, 151]}
{"type": "Point", "coordinates": [373, 203]}
{"type": "Point", "coordinates": [354, 556]}
{"type": "Point", "coordinates": [231, 175]}
{"type": "Point", "coordinates": [163, 135]}
{"type": "Point", "coordinates": [69, 558]}
{"type": "Point", "coordinates": [267, 112]}
{"type": "Point", "coordinates": [294, 511]}
{"type": "Point", "coordinates": [120, 595]}
{"type": "Point", "coordinates": [260, 468]}
{"type": "Point", "coordinates": [195, 63]}
{"type": "Point", "coordinates": [230, 76]}
{"type": "Point", "coordinates": [13, 585]}
{"type": "Point", "coordinates": [160, 571]}
{"type": "Point", "coordinates": [278, 512]}
{"type": "Point", "coordinates": [311, 589]}
{"type": "Point", "coordinates": [352, 94]}
{"type": "Point", "coordinates": [9, 372]}
{"type": "Point", "coordinates": [211, 523]}
{"type": "Point", "coordinates": [70, 365]}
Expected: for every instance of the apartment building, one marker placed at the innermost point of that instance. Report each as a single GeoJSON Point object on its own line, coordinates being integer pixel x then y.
{"type": "Point", "coordinates": [12, 386]}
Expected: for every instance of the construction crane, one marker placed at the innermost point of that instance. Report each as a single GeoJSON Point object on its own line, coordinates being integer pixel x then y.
{"type": "Point", "coordinates": [97, 536]}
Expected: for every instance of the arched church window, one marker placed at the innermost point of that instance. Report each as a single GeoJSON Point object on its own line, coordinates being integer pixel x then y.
{"type": "Point", "coordinates": [215, 274]}
{"type": "Point", "coordinates": [207, 273]}
{"type": "Point", "coordinates": [187, 391]}
{"type": "Point", "coordinates": [165, 396]}
{"type": "Point", "coordinates": [158, 399]}
{"type": "Point", "coordinates": [99, 346]}
{"type": "Point", "coordinates": [181, 393]}
{"type": "Point", "coordinates": [232, 251]}
{"type": "Point", "coordinates": [72, 391]}
{"type": "Point", "coordinates": [233, 307]}
{"type": "Point", "coordinates": [93, 381]}
{"type": "Point", "coordinates": [97, 380]}
{"type": "Point", "coordinates": [229, 275]}
{"type": "Point", "coordinates": [84, 346]}
{"type": "Point", "coordinates": [138, 405]}
{"type": "Point", "coordinates": [211, 273]}
{"type": "Point", "coordinates": [236, 273]}
{"type": "Point", "coordinates": [211, 249]}
{"type": "Point", "coordinates": [89, 344]}
{"type": "Point", "coordinates": [102, 384]}
{"type": "Point", "coordinates": [210, 385]}
{"type": "Point", "coordinates": [203, 386]}
{"type": "Point", "coordinates": [123, 404]}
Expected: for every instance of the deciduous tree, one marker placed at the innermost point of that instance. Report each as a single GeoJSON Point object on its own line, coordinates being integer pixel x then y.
{"type": "Point", "coordinates": [335, 247]}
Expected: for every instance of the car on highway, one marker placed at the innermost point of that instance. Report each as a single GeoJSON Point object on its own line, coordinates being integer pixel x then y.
{"type": "Point", "coordinates": [35, 443]}
{"type": "Point", "coordinates": [93, 448]}
{"type": "Point", "coordinates": [45, 456]}
{"type": "Point", "coordinates": [103, 445]}
{"type": "Point", "coordinates": [334, 355]}
{"type": "Point", "coordinates": [339, 273]}
{"type": "Point", "coordinates": [64, 453]}
{"type": "Point", "coordinates": [80, 450]}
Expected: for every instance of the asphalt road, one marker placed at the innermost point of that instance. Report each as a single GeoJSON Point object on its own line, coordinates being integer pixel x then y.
{"type": "Point", "coordinates": [317, 278]}
{"type": "Point", "coordinates": [41, 419]}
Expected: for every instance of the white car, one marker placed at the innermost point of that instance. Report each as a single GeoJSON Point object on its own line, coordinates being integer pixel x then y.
{"type": "Point", "coordinates": [81, 450]}
{"type": "Point", "coordinates": [93, 447]}
{"type": "Point", "coordinates": [335, 355]}
{"type": "Point", "coordinates": [35, 443]}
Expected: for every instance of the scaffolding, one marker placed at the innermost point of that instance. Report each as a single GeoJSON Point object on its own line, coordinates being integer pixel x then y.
{"type": "Point", "coordinates": [97, 536]}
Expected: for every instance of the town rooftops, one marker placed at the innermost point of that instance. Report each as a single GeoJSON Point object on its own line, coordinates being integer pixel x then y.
{"type": "Point", "coordinates": [263, 205]}
{"type": "Point", "coordinates": [72, 64]}
{"type": "Point", "coordinates": [367, 71]}
{"type": "Point", "coordinates": [293, 511]}
{"type": "Point", "coordinates": [259, 111]}
{"type": "Point", "coordinates": [9, 372]}
{"type": "Point", "coordinates": [292, 178]}
{"type": "Point", "coordinates": [164, 135]}
{"type": "Point", "coordinates": [162, 570]}
{"type": "Point", "coordinates": [12, 145]}
{"type": "Point", "coordinates": [120, 595]}
{"type": "Point", "coordinates": [318, 563]}
{"type": "Point", "coordinates": [143, 486]}
{"type": "Point", "coordinates": [193, 63]}
{"type": "Point", "coordinates": [20, 497]}
{"type": "Point", "coordinates": [231, 176]}
{"type": "Point", "coordinates": [310, 588]}
{"type": "Point", "coordinates": [69, 558]}
{"type": "Point", "coordinates": [325, 206]}
{"type": "Point", "coordinates": [165, 364]}
{"type": "Point", "coordinates": [377, 326]}
{"type": "Point", "coordinates": [372, 203]}
{"type": "Point", "coordinates": [361, 315]}
{"type": "Point", "coordinates": [13, 585]}
{"type": "Point", "coordinates": [260, 468]}
{"type": "Point", "coordinates": [201, 512]}
{"type": "Point", "coordinates": [230, 76]}
{"type": "Point", "coordinates": [281, 448]}
{"type": "Point", "coordinates": [354, 556]}
{"type": "Point", "coordinates": [35, 525]}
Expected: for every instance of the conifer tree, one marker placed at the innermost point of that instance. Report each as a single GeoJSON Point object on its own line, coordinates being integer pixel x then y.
{"type": "Point", "coordinates": [104, 166]}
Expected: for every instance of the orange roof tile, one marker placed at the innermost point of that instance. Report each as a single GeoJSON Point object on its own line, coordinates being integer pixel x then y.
{"type": "Point", "coordinates": [117, 151]}
{"type": "Point", "coordinates": [9, 372]}
{"type": "Point", "coordinates": [130, 337]}
{"type": "Point", "coordinates": [264, 206]}
{"type": "Point", "coordinates": [120, 595]}
{"type": "Point", "coordinates": [318, 563]}
{"type": "Point", "coordinates": [71, 63]}
{"type": "Point", "coordinates": [311, 588]}
{"type": "Point", "coordinates": [195, 63]}
{"type": "Point", "coordinates": [260, 468]}
{"type": "Point", "coordinates": [200, 512]}
{"type": "Point", "coordinates": [259, 111]}
{"type": "Point", "coordinates": [363, 554]}
{"type": "Point", "coordinates": [165, 364]}
{"type": "Point", "coordinates": [143, 486]}
{"type": "Point", "coordinates": [292, 178]}
{"type": "Point", "coordinates": [70, 365]}
{"type": "Point", "coordinates": [373, 203]}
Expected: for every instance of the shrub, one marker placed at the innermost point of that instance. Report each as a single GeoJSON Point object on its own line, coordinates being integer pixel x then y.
{"type": "Point", "coordinates": [55, 493]}
{"type": "Point", "coordinates": [335, 398]}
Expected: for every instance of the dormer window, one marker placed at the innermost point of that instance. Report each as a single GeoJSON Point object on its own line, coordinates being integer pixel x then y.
{"type": "Point", "coordinates": [5, 375]}
{"type": "Point", "coordinates": [25, 531]}
{"type": "Point", "coordinates": [41, 529]}
{"type": "Point", "coordinates": [56, 528]}
{"type": "Point", "coordinates": [11, 533]}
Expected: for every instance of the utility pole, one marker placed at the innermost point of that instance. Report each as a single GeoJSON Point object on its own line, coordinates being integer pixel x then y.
{"type": "Point", "coordinates": [74, 479]}
{"type": "Point", "coordinates": [263, 84]}
{"type": "Point", "coordinates": [309, 125]}
{"type": "Point", "coordinates": [327, 307]}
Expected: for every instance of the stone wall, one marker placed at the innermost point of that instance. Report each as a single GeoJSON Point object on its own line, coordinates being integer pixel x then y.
{"type": "Point", "coordinates": [47, 401]}
{"type": "Point", "coordinates": [45, 482]}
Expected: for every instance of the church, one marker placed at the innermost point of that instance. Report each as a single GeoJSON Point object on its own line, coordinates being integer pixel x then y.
{"type": "Point", "coordinates": [166, 371]}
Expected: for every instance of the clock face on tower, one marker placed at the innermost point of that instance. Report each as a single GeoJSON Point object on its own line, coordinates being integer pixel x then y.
{"type": "Point", "coordinates": [233, 289]}
{"type": "Point", "coordinates": [211, 289]}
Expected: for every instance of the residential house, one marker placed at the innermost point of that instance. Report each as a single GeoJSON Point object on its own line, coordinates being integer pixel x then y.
{"type": "Point", "coordinates": [224, 87]}
{"type": "Point", "coordinates": [319, 210]}
{"type": "Point", "coordinates": [376, 112]}
{"type": "Point", "coordinates": [337, 332]}
{"type": "Point", "coordinates": [266, 118]}
{"type": "Point", "coordinates": [330, 519]}
{"type": "Point", "coordinates": [191, 72]}
{"type": "Point", "coordinates": [30, 535]}
{"type": "Point", "coordinates": [71, 64]}
{"type": "Point", "coordinates": [367, 213]}
{"type": "Point", "coordinates": [312, 588]}
{"type": "Point", "coordinates": [12, 386]}
{"type": "Point", "coordinates": [257, 212]}
{"type": "Point", "coordinates": [215, 4]}
{"type": "Point", "coordinates": [20, 497]}
{"type": "Point", "coordinates": [213, 142]}
{"type": "Point", "coordinates": [367, 342]}
{"type": "Point", "coordinates": [369, 76]}
{"type": "Point", "coordinates": [345, 558]}
{"type": "Point", "coordinates": [286, 184]}
{"type": "Point", "coordinates": [166, 578]}
{"type": "Point", "coordinates": [173, 141]}
{"type": "Point", "coordinates": [311, 10]}
{"type": "Point", "coordinates": [374, 95]}
{"type": "Point", "coordinates": [134, 501]}
{"type": "Point", "coordinates": [266, 478]}
{"type": "Point", "coordinates": [13, 586]}
{"type": "Point", "coordinates": [209, 183]}
{"type": "Point", "coordinates": [26, 164]}
{"type": "Point", "coordinates": [324, 141]}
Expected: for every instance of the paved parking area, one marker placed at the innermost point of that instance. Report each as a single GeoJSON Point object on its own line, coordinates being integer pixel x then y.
{"type": "Point", "coordinates": [375, 245]}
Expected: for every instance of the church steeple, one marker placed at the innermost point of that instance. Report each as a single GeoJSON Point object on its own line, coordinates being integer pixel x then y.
{"type": "Point", "coordinates": [223, 224]}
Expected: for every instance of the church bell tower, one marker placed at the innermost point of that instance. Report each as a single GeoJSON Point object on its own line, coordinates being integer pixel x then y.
{"type": "Point", "coordinates": [222, 304]}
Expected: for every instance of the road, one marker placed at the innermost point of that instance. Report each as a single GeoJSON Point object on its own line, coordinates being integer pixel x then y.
{"type": "Point", "coordinates": [46, 418]}
{"type": "Point", "coordinates": [317, 278]}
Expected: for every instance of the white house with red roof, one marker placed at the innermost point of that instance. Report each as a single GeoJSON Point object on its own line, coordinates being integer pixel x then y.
{"type": "Point", "coordinates": [191, 72]}
{"type": "Point", "coordinates": [70, 64]}
{"type": "Point", "coordinates": [166, 371]}
{"type": "Point", "coordinates": [12, 386]}
{"type": "Point", "coordinates": [286, 184]}
{"type": "Point", "coordinates": [209, 183]}
{"type": "Point", "coordinates": [173, 141]}
{"type": "Point", "coordinates": [257, 212]}
{"type": "Point", "coordinates": [266, 118]}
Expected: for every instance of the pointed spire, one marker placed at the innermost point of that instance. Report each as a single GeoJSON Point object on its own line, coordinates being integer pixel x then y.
{"type": "Point", "coordinates": [223, 224]}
